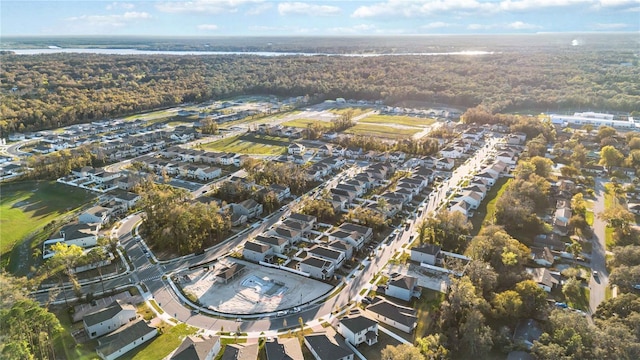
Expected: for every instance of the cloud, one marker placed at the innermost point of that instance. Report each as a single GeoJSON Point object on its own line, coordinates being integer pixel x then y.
{"type": "Point", "coordinates": [421, 8]}
{"type": "Point", "coordinates": [435, 25]}
{"type": "Point", "coordinates": [120, 5]}
{"type": "Point", "coordinates": [204, 6]}
{"type": "Point", "coordinates": [524, 5]}
{"type": "Point", "coordinates": [613, 26]}
{"type": "Point", "coordinates": [207, 27]}
{"type": "Point", "coordinates": [259, 9]}
{"type": "Point", "coordinates": [519, 25]}
{"type": "Point", "coordinates": [112, 21]}
{"type": "Point", "coordinates": [300, 8]}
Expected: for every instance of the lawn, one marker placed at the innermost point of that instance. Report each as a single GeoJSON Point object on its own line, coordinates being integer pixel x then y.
{"type": "Point", "coordinates": [608, 237]}
{"type": "Point", "coordinates": [29, 205]}
{"type": "Point", "coordinates": [381, 131]}
{"type": "Point", "coordinates": [582, 303]}
{"type": "Point", "coordinates": [488, 205]}
{"type": "Point", "coordinates": [373, 352]}
{"type": "Point", "coordinates": [429, 301]}
{"type": "Point", "coordinates": [249, 144]}
{"type": "Point", "coordinates": [162, 345]}
{"type": "Point", "coordinates": [65, 345]}
{"type": "Point", "coordinates": [400, 120]}
{"type": "Point", "coordinates": [303, 123]}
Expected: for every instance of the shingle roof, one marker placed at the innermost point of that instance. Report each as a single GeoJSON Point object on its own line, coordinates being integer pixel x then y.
{"type": "Point", "coordinates": [325, 348]}
{"type": "Point", "coordinates": [400, 314]}
{"type": "Point", "coordinates": [256, 247]}
{"type": "Point", "coordinates": [283, 349]}
{"type": "Point", "coordinates": [240, 352]}
{"type": "Point", "coordinates": [358, 323]}
{"type": "Point", "coordinates": [404, 282]}
{"type": "Point", "coordinates": [323, 251]}
{"type": "Point", "coordinates": [429, 249]}
{"type": "Point", "coordinates": [118, 339]}
{"type": "Point", "coordinates": [194, 348]}
{"type": "Point", "coordinates": [106, 313]}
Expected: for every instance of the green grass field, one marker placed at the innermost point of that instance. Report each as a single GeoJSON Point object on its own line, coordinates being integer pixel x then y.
{"type": "Point", "coordinates": [162, 345]}
{"type": "Point", "coordinates": [28, 206]}
{"type": "Point", "coordinates": [248, 144]}
{"type": "Point", "coordinates": [400, 120]}
{"type": "Point", "coordinates": [488, 206]}
{"type": "Point", "coordinates": [381, 131]}
{"type": "Point", "coordinates": [65, 345]}
{"type": "Point", "coordinates": [303, 123]}
{"type": "Point", "coordinates": [355, 111]}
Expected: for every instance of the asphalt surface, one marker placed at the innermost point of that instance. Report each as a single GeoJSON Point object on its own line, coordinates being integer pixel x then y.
{"type": "Point", "coordinates": [598, 254]}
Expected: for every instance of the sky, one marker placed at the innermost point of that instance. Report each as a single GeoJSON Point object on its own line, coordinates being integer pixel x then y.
{"type": "Point", "coordinates": [289, 18]}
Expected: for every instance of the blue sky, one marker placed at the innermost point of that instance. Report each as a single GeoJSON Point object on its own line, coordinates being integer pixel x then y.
{"type": "Point", "coordinates": [271, 18]}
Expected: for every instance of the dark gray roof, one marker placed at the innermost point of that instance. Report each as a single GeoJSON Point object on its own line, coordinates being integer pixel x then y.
{"type": "Point", "coordinates": [358, 323]}
{"type": "Point", "coordinates": [323, 251]}
{"type": "Point", "coordinates": [404, 282]}
{"type": "Point", "coordinates": [107, 313]}
{"type": "Point", "coordinates": [325, 348]}
{"type": "Point", "coordinates": [230, 271]}
{"type": "Point", "coordinates": [78, 231]}
{"type": "Point", "coordinates": [256, 247]}
{"type": "Point", "coordinates": [302, 217]}
{"type": "Point", "coordinates": [400, 314]}
{"type": "Point", "coordinates": [240, 352]}
{"type": "Point", "coordinates": [283, 349]}
{"type": "Point", "coordinates": [354, 227]}
{"type": "Point", "coordinates": [194, 348]}
{"type": "Point", "coordinates": [120, 338]}
{"type": "Point", "coordinates": [316, 262]}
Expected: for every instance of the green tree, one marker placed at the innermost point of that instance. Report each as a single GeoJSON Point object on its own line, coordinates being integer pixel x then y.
{"type": "Point", "coordinates": [534, 299]}
{"type": "Point", "coordinates": [610, 157]}
{"type": "Point", "coordinates": [433, 347]}
{"type": "Point", "coordinates": [401, 352]}
{"type": "Point", "coordinates": [507, 305]}
{"type": "Point", "coordinates": [542, 165]}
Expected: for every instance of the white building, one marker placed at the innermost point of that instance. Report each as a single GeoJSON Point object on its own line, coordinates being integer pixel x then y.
{"type": "Point", "coordinates": [358, 330]}
{"type": "Point", "coordinates": [403, 288]}
{"type": "Point", "coordinates": [594, 119]}
{"type": "Point", "coordinates": [108, 319]}
{"type": "Point", "coordinates": [127, 338]}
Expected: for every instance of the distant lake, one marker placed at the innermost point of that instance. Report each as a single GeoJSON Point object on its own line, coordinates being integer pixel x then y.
{"type": "Point", "coordinates": [258, 53]}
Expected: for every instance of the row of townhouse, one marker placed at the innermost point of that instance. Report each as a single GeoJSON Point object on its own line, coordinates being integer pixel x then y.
{"type": "Point", "coordinates": [324, 167]}
{"type": "Point", "coordinates": [280, 238]}
{"type": "Point", "coordinates": [381, 156]}
{"type": "Point", "coordinates": [201, 172]}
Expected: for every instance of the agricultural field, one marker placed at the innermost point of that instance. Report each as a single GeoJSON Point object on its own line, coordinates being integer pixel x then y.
{"type": "Point", "coordinates": [399, 120]}
{"type": "Point", "coordinates": [28, 206]}
{"type": "Point", "coordinates": [250, 144]}
{"type": "Point", "coordinates": [388, 132]}
{"type": "Point", "coordinates": [303, 123]}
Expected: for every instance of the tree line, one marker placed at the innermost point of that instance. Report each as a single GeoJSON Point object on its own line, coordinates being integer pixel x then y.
{"type": "Point", "coordinates": [62, 89]}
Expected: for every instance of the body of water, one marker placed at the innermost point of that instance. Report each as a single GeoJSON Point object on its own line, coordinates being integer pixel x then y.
{"type": "Point", "coordinates": [258, 53]}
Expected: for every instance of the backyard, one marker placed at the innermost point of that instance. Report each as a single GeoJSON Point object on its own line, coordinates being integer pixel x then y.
{"type": "Point", "coordinates": [162, 345]}
{"type": "Point", "coordinates": [250, 144]}
{"type": "Point", "coordinates": [30, 205]}
{"type": "Point", "coordinates": [488, 206]}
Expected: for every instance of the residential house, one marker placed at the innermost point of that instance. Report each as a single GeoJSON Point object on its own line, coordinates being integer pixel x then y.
{"type": "Point", "coordinates": [634, 208]}
{"type": "Point", "coordinates": [283, 349]}
{"type": "Point", "coordinates": [403, 288]}
{"type": "Point", "coordinates": [489, 178]}
{"type": "Point", "coordinates": [317, 268]}
{"type": "Point", "coordinates": [288, 233]}
{"type": "Point", "coordinates": [282, 192]}
{"type": "Point", "coordinates": [324, 348]}
{"type": "Point", "coordinates": [450, 153]}
{"type": "Point", "coordinates": [296, 149]}
{"type": "Point", "coordinates": [249, 207]}
{"type": "Point", "coordinates": [544, 278]}
{"type": "Point", "coordinates": [278, 244]}
{"type": "Point", "coordinates": [240, 352]}
{"type": "Point", "coordinates": [108, 319]}
{"type": "Point", "coordinates": [561, 221]}
{"type": "Point", "coordinates": [427, 254]}
{"type": "Point", "coordinates": [83, 235]}
{"type": "Point", "coordinates": [229, 272]}
{"type": "Point", "coordinates": [358, 330]}
{"type": "Point", "coordinates": [308, 220]}
{"type": "Point", "coordinates": [352, 238]}
{"type": "Point", "coordinates": [552, 241]}
{"type": "Point", "coordinates": [445, 164]}
{"type": "Point", "coordinates": [364, 231]}
{"type": "Point", "coordinates": [95, 215]}
{"type": "Point", "coordinates": [400, 317]}
{"type": "Point", "coordinates": [127, 200]}
{"type": "Point", "coordinates": [336, 257]}
{"type": "Point", "coordinates": [330, 135]}
{"type": "Point", "coordinates": [257, 252]}
{"type": "Point", "coordinates": [342, 246]}
{"type": "Point", "coordinates": [125, 339]}
{"type": "Point", "coordinates": [197, 348]}
{"type": "Point", "coordinates": [542, 256]}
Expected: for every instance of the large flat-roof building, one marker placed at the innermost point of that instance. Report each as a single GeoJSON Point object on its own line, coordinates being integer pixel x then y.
{"type": "Point", "coordinates": [592, 118]}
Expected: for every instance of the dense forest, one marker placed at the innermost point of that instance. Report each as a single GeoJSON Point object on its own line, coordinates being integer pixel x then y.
{"type": "Point", "coordinates": [47, 91]}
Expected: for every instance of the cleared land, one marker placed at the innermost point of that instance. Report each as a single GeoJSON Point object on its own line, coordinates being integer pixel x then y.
{"type": "Point", "coordinates": [355, 111]}
{"type": "Point", "coordinates": [400, 120]}
{"type": "Point", "coordinates": [303, 123]}
{"type": "Point", "coordinates": [28, 206]}
{"type": "Point", "coordinates": [235, 297]}
{"type": "Point", "coordinates": [381, 131]}
{"type": "Point", "coordinates": [249, 144]}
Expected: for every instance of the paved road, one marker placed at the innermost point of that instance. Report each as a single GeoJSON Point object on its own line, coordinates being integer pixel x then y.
{"type": "Point", "coordinates": [598, 259]}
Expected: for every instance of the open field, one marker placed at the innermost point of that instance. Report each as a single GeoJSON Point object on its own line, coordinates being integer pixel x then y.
{"type": "Point", "coordinates": [250, 144]}
{"type": "Point", "coordinates": [400, 120]}
{"type": "Point", "coordinates": [381, 131]}
{"type": "Point", "coordinates": [355, 111]}
{"type": "Point", "coordinates": [302, 123]}
{"type": "Point", "coordinates": [29, 205]}
{"type": "Point", "coordinates": [258, 119]}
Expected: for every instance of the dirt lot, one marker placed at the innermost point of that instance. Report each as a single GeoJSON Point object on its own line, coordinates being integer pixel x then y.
{"type": "Point", "coordinates": [237, 297]}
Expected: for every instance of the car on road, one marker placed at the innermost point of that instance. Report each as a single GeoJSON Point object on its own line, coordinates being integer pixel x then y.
{"type": "Point", "coordinates": [595, 274]}
{"type": "Point", "coordinates": [367, 300]}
